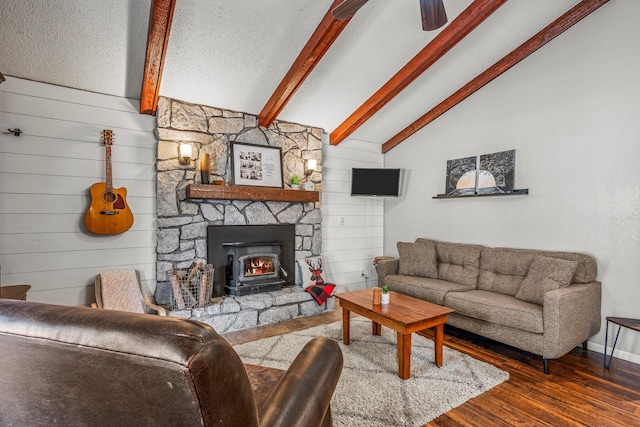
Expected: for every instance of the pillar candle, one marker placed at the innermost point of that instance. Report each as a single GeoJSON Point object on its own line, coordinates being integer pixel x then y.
{"type": "Point", "coordinates": [377, 295]}
{"type": "Point", "coordinates": [205, 168]}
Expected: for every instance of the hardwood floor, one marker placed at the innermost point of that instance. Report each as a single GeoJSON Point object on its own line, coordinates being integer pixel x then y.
{"type": "Point", "coordinates": [577, 392]}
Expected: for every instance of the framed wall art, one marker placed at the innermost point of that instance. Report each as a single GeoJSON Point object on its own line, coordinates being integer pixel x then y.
{"type": "Point", "coordinates": [496, 172]}
{"type": "Point", "coordinates": [256, 165]}
{"type": "Point", "coordinates": [461, 176]}
{"type": "Point", "coordinates": [493, 174]}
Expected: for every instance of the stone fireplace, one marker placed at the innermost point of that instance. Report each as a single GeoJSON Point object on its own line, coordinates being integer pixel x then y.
{"type": "Point", "coordinates": [184, 222]}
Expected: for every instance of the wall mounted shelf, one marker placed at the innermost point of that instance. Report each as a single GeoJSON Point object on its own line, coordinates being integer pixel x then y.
{"type": "Point", "coordinates": [521, 192]}
{"type": "Point", "coordinates": [243, 192]}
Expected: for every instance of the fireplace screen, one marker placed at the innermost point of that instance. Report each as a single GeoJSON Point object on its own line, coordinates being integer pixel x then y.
{"type": "Point", "coordinates": [259, 266]}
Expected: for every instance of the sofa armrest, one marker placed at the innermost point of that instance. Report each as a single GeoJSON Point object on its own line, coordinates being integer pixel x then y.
{"type": "Point", "coordinates": [571, 316]}
{"type": "Point", "coordinates": [302, 396]}
{"type": "Point", "coordinates": [385, 268]}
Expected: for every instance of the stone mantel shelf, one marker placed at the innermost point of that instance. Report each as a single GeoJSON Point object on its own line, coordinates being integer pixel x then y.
{"type": "Point", "coordinates": [243, 192]}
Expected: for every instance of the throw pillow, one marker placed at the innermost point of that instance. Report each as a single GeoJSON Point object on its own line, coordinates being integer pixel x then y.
{"type": "Point", "coordinates": [418, 259]}
{"type": "Point", "coordinates": [311, 271]}
{"type": "Point", "coordinates": [313, 278]}
{"type": "Point", "coordinates": [545, 274]}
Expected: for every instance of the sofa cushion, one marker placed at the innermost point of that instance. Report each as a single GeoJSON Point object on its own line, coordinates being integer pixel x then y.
{"type": "Point", "coordinates": [503, 270]}
{"type": "Point", "coordinates": [545, 274]}
{"type": "Point", "coordinates": [432, 290]}
{"type": "Point", "coordinates": [497, 308]}
{"type": "Point", "coordinates": [458, 263]}
{"type": "Point", "coordinates": [418, 259]}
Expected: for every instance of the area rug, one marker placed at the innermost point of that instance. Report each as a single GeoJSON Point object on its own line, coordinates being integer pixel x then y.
{"type": "Point", "coordinates": [369, 392]}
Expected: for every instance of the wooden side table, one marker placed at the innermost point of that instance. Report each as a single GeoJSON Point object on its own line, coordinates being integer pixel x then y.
{"type": "Point", "coordinates": [621, 322]}
{"type": "Point", "coordinates": [377, 259]}
{"type": "Point", "coordinates": [14, 291]}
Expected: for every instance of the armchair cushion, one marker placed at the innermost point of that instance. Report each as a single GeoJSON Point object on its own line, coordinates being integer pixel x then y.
{"type": "Point", "coordinates": [120, 290]}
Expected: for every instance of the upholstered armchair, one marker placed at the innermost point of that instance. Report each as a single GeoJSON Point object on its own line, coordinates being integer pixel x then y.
{"type": "Point", "coordinates": [77, 366]}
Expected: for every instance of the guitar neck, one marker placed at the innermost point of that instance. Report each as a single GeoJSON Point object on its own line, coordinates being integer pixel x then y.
{"type": "Point", "coordinates": [109, 174]}
{"type": "Point", "coordinates": [107, 135]}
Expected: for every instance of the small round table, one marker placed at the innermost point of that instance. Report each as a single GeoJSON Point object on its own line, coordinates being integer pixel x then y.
{"type": "Point", "coordinates": [621, 322]}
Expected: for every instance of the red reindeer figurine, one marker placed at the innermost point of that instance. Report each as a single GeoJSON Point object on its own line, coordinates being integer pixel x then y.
{"type": "Point", "coordinates": [316, 272]}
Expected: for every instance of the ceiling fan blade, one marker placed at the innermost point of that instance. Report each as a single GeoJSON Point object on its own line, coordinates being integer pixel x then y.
{"type": "Point", "coordinates": [433, 14]}
{"type": "Point", "coordinates": [347, 9]}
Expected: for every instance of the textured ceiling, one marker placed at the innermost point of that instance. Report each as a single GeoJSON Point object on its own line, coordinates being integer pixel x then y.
{"type": "Point", "coordinates": [233, 54]}
{"type": "Point", "coordinates": [93, 45]}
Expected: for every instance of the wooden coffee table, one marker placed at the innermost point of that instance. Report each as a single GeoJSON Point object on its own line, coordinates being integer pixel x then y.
{"type": "Point", "coordinates": [403, 314]}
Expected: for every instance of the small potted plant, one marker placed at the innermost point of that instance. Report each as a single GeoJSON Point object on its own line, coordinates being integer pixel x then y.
{"type": "Point", "coordinates": [385, 294]}
{"type": "Point", "coordinates": [294, 181]}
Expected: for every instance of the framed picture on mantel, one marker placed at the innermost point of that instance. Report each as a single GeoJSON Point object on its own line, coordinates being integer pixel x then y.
{"type": "Point", "coordinates": [256, 165]}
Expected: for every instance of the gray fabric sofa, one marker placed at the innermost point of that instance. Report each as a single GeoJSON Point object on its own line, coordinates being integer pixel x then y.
{"type": "Point", "coordinates": [543, 302]}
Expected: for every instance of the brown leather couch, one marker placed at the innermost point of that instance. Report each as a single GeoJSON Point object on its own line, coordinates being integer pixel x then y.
{"type": "Point", "coordinates": [79, 366]}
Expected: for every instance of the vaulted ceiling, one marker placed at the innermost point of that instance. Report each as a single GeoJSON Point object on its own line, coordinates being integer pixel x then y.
{"type": "Point", "coordinates": [377, 77]}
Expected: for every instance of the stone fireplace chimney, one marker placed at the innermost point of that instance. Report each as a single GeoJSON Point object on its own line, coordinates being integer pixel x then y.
{"type": "Point", "coordinates": [182, 222]}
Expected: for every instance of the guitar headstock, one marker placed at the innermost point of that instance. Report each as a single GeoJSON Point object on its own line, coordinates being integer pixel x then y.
{"type": "Point", "coordinates": [107, 136]}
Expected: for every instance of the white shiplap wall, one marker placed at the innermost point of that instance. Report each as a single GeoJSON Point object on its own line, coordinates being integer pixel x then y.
{"type": "Point", "coordinates": [352, 227]}
{"type": "Point", "coordinates": [45, 175]}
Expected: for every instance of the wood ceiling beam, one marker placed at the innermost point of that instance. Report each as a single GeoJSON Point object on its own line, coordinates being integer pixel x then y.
{"type": "Point", "coordinates": [157, 42]}
{"type": "Point", "coordinates": [318, 44]}
{"type": "Point", "coordinates": [459, 28]}
{"type": "Point", "coordinates": [557, 27]}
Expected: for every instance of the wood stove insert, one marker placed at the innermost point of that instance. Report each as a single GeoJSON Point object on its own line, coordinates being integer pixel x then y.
{"type": "Point", "coordinates": [219, 235]}
{"type": "Point", "coordinates": [253, 268]}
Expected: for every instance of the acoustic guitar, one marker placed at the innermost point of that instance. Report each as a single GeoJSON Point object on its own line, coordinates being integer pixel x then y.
{"type": "Point", "coordinates": [109, 212]}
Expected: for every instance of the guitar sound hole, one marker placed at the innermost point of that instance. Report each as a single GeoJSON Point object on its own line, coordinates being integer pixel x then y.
{"type": "Point", "coordinates": [109, 197]}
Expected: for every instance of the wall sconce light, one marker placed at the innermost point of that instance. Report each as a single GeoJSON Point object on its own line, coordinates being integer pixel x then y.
{"type": "Point", "coordinates": [184, 154]}
{"type": "Point", "coordinates": [311, 165]}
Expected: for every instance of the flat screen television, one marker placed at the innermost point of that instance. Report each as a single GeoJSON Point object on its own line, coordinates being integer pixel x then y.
{"type": "Point", "coordinates": [375, 182]}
